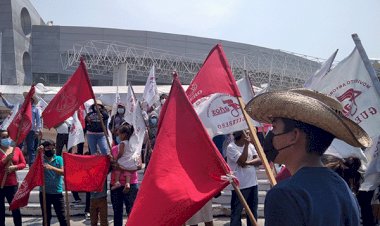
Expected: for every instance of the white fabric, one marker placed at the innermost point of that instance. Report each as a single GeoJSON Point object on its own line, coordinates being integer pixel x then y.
{"type": "Point", "coordinates": [341, 149]}
{"type": "Point", "coordinates": [129, 159]}
{"type": "Point", "coordinates": [203, 215]}
{"type": "Point", "coordinates": [137, 139]}
{"type": "Point", "coordinates": [130, 106]}
{"type": "Point", "coordinates": [151, 95]}
{"type": "Point", "coordinates": [372, 175]}
{"type": "Point", "coordinates": [220, 114]}
{"type": "Point", "coordinates": [362, 104]}
{"type": "Point", "coordinates": [63, 128]}
{"type": "Point", "coordinates": [319, 74]}
{"type": "Point", "coordinates": [76, 134]}
{"type": "Point", "coordinates": [246, 175]}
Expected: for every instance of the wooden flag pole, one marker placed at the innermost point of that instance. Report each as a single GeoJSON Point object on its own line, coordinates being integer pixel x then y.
{"type": "Point", "coordinates": [255, 141]}
{"type": "Point", "coordinates": [67, 206]}
{"type": "Point", "coordinates": [13, 149]}
{"type": "Point", "coordinates": [244, 202]}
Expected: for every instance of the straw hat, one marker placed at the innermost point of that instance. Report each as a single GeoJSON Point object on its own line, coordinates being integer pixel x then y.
{"type": "Point", "coordinates": [309, 107]}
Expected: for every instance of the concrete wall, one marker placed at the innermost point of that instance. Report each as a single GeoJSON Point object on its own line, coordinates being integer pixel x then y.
{"type": "Point", "coordinates": [16, 20]}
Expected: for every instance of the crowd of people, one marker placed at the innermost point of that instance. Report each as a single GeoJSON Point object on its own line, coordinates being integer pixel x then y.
{"type": "Point", "coordinates": [304, 125]}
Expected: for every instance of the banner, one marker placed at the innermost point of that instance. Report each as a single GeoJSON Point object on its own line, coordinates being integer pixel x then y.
{"type": "Point", "coordinates": [85, 173]}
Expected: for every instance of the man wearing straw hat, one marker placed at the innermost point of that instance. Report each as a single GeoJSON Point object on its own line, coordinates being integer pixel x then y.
{"type": "Point", "coordinates": [304, 125]}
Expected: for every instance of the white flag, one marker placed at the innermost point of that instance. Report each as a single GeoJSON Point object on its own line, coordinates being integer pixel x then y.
{"type": "Point", "coordinates": [130, 106]}
{"type": "Point", "coordinates": [372, 175]}
{"type": "Point", "coordinates": [220, 114]}
{"type": "Point", "coordinates": [137, 138]}
{"type": "Point", "coordinates": [245, 89]}
{"type": "Point", "coordinates": [151, 95]}
{"type": "Point", "coordinates": [321, 73]}
{"type": "Point", "coordinates": [354, 84]}
{"type": "Point", "coordinates": [76, 135]}
{"type": "Point", "coordinates": [116, 101]}
{"type": "Point", "coordinates": [9, 119]}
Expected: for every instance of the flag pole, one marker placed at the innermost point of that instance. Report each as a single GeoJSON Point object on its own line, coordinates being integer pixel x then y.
{"type": "Point", "coordinates": [13, 149]}
{"type": "Point", "coordinates": [43, 194]}
{"type": "Point", "coordinates": [67, 206]}
{"type": "Point", "coordinates": [256, 143]}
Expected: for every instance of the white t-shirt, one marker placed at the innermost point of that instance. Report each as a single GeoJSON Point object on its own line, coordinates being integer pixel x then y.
{"type": "Point", "coordinates": [246, 175]}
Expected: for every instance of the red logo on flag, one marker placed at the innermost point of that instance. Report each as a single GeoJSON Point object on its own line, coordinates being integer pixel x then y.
{"type": "Point", "coordinates": [349, 106]}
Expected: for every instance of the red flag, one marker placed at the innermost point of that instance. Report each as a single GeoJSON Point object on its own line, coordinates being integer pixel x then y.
{"type": "Point", "coordinates": [215, 76]}
{"type": "Point", "coordinates": [74, 93]}
{"type": "Point", "coordinates": [22, 120]}
{"type": "Point", "coordinates": [35, 177]}
{"type": "Point", "coordinates": [85, 172]}
{"type": "Point", "coordinates": [185, 169]}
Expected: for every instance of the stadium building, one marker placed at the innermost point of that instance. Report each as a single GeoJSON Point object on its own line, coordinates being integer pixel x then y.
{"type": "Point", "coordinates": [33, 50]}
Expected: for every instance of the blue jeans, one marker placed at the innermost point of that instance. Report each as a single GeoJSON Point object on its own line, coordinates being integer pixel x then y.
{"type": "Point", "coordinates": [251, 196]}
{"type": "Point", "coordinates": [95, 140]}
{"type": "Point", "coordinates": [118, 198]}
{"type": "Point", "coordinates": [31, 146]}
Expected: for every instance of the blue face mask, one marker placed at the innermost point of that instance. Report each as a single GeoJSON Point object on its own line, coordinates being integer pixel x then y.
{"type": "Point", "coordinates": [153, 121]}
{"type": "Point", "coordinates": [6, 142]}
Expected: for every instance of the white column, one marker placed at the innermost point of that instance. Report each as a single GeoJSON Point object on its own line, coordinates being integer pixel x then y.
{"type": "Point", "coordinates": [120, 75]}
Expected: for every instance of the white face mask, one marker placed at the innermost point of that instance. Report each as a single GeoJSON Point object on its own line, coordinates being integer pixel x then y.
{"type": "Point", "coordinates": [120, 110]}
{"type": "Point", "coordinates": [163, 101]}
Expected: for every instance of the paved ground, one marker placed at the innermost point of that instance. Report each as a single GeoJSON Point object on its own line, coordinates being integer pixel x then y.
{"type": "Point", "coordinates": [78, 220]}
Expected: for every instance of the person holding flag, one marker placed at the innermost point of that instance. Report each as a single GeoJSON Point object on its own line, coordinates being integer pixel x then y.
{"type": "Point", "coordinates": [95, 134]}
{"type": "Point", "coordinates": [15, 156]}
{"type": "Point", "coordinates": [53, 171]}
{"type": "Point", "coordinates": [303, 128]}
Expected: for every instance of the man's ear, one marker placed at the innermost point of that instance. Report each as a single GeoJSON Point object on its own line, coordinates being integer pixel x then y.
{"type": "Point", "coordinates": [296, 135]}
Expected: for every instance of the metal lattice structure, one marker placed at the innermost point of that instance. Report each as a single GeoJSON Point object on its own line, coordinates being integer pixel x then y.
{"type": "Point", "coordinates": [279, 69]}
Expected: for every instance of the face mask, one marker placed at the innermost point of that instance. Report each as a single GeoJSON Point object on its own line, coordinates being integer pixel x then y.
{"type": "Point", "coordinates": [6, 142]}
{"type": "Point", "coordinates": [270, 151]}
{"type": "Point", "coordinates": [120, 110]}
{"type": "Point", "coordinates": [118, 140]}
{"type": "Point", "coordinates": [153, 121]}
{"type": "Point", "coordinates": [163, 101]}
{"type": "Point", "coordinates": [49, 153]}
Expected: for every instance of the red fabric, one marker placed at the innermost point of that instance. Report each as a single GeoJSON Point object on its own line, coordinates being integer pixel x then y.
{"type": "Point", "coordinates": [85, 172]}
{"type": "Point", "coordinates": [17, 160]}
{"type": "Point", "coordinates": [35, 177]}
{"type": "Point", "coordinates": [215, 76]}
{"type": "Point", "coordinates": [283, 174]}
{"type": "Point", "coordinates": [22, 120]}
{"type": "Point", "coordinates": [72, 95]}
{"type": "Point", "coordinates": [185, 169]}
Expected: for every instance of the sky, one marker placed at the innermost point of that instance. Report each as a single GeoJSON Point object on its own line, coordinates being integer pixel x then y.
{"type": "Point", "coordinates": [312, 28]}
